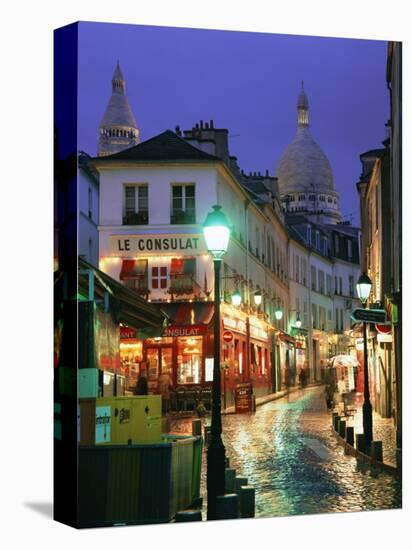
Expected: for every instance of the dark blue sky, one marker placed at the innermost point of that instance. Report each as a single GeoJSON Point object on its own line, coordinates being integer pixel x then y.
{"type": "Point", "coordinates": [246, 82]}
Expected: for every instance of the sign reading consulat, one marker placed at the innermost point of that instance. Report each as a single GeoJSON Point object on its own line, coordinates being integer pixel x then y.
{"type": "Point", "coordinates": [143, 245]}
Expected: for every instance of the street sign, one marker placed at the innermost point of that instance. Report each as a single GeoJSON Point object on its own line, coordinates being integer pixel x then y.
{"type": "Point", "coordinates": [369, 315]}
{"type": "Point", "coordinates": [227, 336]}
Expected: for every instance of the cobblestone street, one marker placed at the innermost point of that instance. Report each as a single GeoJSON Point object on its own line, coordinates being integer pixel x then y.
{"type": "Point", "coordinates": [288, 453]}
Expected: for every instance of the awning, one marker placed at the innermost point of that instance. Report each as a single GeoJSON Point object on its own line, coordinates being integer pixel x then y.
{"type": "Point", "coordinates": [133, 269]}
{"type": "Point", "coordinates": [196, 313]}
{"type": "Point", "coordinates": [284, 337]}
{"type": "Point", "coordinates": [126, 304]}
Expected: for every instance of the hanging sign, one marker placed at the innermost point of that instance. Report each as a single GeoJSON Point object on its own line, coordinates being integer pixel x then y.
{"type": "Point", "coordinates": [103, 415]}
{"type": "Point", "coordinates": [369, 315]}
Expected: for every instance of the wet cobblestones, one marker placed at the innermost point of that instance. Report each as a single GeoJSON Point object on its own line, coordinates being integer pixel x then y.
{"type": "Point", "coordinates": [288, 453]}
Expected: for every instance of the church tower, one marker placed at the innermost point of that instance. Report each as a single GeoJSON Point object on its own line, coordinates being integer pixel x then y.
{"type": "Point", "coordinates": [118, 129]}
{"type": "Point", "coordinates": [305, 177]}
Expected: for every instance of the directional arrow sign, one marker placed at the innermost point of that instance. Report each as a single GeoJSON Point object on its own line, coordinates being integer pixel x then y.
{"type": "Point", "coordinates": [369, 315]}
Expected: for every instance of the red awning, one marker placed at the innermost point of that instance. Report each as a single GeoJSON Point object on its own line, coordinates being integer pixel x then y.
{"type": "Point", "coordinates": [196, 313]}
{"type": "Point", "coordinates": [133, 269]}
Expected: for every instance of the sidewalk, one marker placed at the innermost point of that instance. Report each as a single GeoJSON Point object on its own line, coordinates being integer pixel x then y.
{"type": "Point", "coordinates": [272, 397]}
{"type": "Point", "coordinates": [383, 430]}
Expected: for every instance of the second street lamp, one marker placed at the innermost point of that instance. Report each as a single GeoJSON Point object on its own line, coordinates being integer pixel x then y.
{"type": "Point", "coordinates": [363, 289]}
{"type": "Point", "coordinates": [216, 231]}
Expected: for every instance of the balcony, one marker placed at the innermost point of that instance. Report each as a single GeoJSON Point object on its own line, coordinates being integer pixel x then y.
{"type": "Point", "coordinates": [182, 217]}
{"type": "Point", "coordinates": [181, 283]}
{"type": "Point", "coordinates": [136, 218]}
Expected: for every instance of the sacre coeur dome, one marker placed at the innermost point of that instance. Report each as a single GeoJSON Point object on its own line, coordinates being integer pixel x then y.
{"type": "Point", "coordinates": [304, 167]}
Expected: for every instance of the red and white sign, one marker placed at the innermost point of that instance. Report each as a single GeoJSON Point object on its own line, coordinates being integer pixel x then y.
{"type": "Point", "coordinates": [185, 330]}
{"type": "Point", "coordinates": [383, 329]}
{"type": "Point", "coordinates": [126, 333]}
{"type": "Point", "coordinates": [227, 336]}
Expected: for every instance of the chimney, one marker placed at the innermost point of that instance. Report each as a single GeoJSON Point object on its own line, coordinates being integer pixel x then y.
{"type": "Point", "coordinates": [211, 123]}
{"type": "Point", "coordinates": [201, 124]}
{"type": "Point", "coordinates": [206, 126]}
{"type": "Point", "coordinates": [267, 173]}
{"type": "Point", "coordinates": [177, 130]}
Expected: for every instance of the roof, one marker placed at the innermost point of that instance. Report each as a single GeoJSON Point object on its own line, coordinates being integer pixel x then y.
{"type": "Point", "coordinates": [118, 112]}
{"type": "Point", "coordinates": [165, 146]}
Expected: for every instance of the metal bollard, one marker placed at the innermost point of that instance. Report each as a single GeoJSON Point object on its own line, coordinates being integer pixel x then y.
{"type": "Point", "coordinates": [188, 515]}
{"type": "Point", "coordinates": [247, 502]}
{"type": "Point", "coordinates": [239, 481]}
{"type": "Point", "coordinates": [377, 450]}
{"type": "Point", "coordinates": [230, 476]}
{"type": "Point", "coordinates": [196, 427]}
{"type": "Point", "coordinates": [360, 443]}
{"type": "Point", "coordinates": [227, 506]}
{"type": "Point", "coordinates": [350, 435]}
{"type": "Point", "coordinates": [342, 427]}
{"type": "Point", "coordinates": [207, 435]}
{"type": "Point", "coordinates": [336, 420]}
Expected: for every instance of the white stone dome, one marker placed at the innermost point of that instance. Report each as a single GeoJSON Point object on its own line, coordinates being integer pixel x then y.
{"type": "Point", "coordinates": [304, 167]}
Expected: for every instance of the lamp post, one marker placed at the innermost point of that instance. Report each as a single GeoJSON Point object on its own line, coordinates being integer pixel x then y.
{"type": "Point", "coordinates": [216, 231]}
{"type": "Point", "coordinates": [363, 288]}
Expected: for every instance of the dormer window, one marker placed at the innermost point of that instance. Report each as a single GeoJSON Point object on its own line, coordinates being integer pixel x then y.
{"type": "Point", "coordinates": [312, 197]}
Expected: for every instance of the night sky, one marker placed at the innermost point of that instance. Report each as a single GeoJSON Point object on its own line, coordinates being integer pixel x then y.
{"type": "Point", "coordinates": [246, 82]}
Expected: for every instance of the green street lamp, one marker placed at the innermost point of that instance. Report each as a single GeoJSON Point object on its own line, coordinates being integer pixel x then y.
{"type": "Point", "coordinates": [363, 288]}
{"type": "Point", "coordinates": [298, 322]}
{"type": "Point", "coordinates": [236, 298]}
{"type": "Point", "coordinates": [278, 313]}
{"type": "Point", "coordinates": [216, 231]}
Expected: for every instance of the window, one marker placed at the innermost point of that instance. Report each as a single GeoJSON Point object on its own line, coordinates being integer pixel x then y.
{"type": "Point", "coordinates": [136, 205]}
{"type": "Point", "coordinates": [322, 198]}
{"type": "Point", "coordinates": [309, 234]}
{"type": "Point", "coordinates": [305, 314]}
{"type": "Point", "coordinates": [336, 244]}
{"type": "Point", "coordinates": [321, 278]}
{"type": "Point", "coordinates": [90, 203]}
{"type": "Point", "coordinates": [314, 316]}
{"type": "Point", "coordinates": [134, 275]}
{"type": "Point", "coordinates": [337, 319]}
{"type": "Point", "coordinates": [183, 203]}
{"type": "Point", "coordinates": [325, 246]}
{"type": "Point", "coordinates": [340, 286]}
{"type": "Point", "coordinates": [330, 199]}
{"type": "Point", "coordinates": [351, 286]}
{"type": "Point", "coordinates": [312, 197]}
{"type": "Point", "coordinates": [328, 285]}
{"type": "Point", "coordinates": [350, 249]}
{"type": "Point", "coordinates": [303, 271]}
{"type": "Point", "coordinates": [302, 197]}
{"type": "Point", "coordinates": [341, 319]}
{"type": "Point", "coordinates": [317, 240]}
{"type": "Point", "coordinates": [159, 277]}
{"type": "Point", "coordinates": [297, 268]}
{"type": "Point", "coordinates": [257, 241]}
{"type": "Point", "coordinates": [336, 285]}
{"type": "Point", "coordinates": [182, 273]}
{"type": "Point", "coordinates": [321, 318]}
{"type": "Point", "coordinates": [313, 277]}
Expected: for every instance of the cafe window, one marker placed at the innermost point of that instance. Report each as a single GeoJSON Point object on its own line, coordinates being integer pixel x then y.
{"type": "Point", "coordinates": [134, 275]}
{"type": "Point", "coordinates": [183, 203]}
{"type": "Point", "coordinates": [159, 277]}
{"type": "Point", "coordinates": [182, 275]}
{"type": "Point", "coordinates": [189, 360]}
{"type": "Point", "coordinates": [136, 204]}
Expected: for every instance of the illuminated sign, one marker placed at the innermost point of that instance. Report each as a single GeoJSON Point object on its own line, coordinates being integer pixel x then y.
{"type": "Point", "coordinates": [145, 245]}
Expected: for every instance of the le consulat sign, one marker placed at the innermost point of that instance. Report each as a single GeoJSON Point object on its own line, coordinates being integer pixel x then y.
{"type": "Point", "coordinates": [144, 245]}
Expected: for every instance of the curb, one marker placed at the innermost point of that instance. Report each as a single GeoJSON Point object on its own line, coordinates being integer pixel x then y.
{"type": "Point", "coordinates": [366, 459]}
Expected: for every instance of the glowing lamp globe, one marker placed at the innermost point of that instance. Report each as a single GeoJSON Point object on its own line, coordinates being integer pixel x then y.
{"type": "Point", "coordinates": [298, 322]}
{"type": "Point", "coordinates": [363, 288]}
{"type": "Point", "coordinates": [216, 231]}
{"type": "Point", "coordinates": [257, 297]}
{"type": "Point", "coordinates": [236, 298]}
{"type": "Point", "coordinates": [278, 314]}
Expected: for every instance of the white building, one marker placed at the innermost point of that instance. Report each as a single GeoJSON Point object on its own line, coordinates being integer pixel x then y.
{"type": "Point", "coordinates": [88, 189]}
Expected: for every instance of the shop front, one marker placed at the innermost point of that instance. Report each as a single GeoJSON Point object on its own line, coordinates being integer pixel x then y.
{"type": "Point", "coordinates": [287, 353]}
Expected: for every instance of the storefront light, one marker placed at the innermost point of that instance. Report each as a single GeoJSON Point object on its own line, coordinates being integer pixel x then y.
{"type": "Point", "coordinates": [236, 298]}
{"type": "Point", "coordinates": [216, 231]}
{"type": "Point", "coordinates": [363, 288]}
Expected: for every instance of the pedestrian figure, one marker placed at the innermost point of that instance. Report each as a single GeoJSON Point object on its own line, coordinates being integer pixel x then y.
{"type": "Point", "coordinates": [141, 385]}
{"type": "Point", "coordinates": [164, 387]}
{"type": "Point", "coordinates": [329, 394]}
{"type": "Point", "coordinates": [201, 409]}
